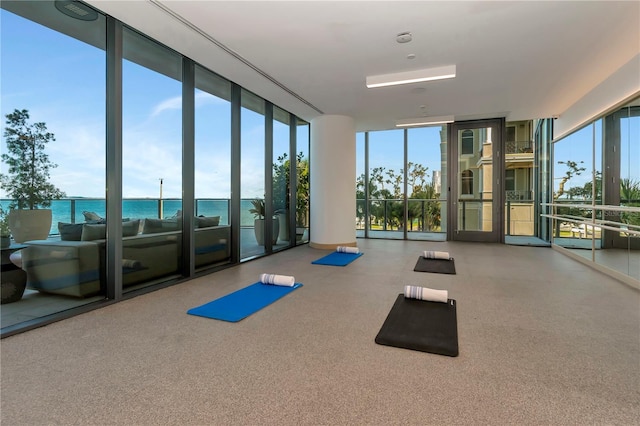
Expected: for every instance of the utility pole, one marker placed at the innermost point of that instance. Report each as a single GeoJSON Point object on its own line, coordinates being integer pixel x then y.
{"type": "Point", "coordinates": [160, 203]}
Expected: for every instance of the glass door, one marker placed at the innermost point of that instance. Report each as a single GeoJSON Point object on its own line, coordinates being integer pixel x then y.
{"type": "Point", "coordinates": [476, 177]}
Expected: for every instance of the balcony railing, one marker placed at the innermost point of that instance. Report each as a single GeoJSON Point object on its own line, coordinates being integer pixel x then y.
{"type": "Point", "coordinates": [388, 215]}
{"type": "Point", "coordinates": [518, 147]}
{"type": "Point", "coordinates": [519, 195]}
{"type": "Point", "coordinates": [69, 210]}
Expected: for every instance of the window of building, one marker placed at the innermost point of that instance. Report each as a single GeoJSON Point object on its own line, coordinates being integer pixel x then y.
{"type": "Point", "coordinates": [467, 182]}
{"type": "Point", "coordinates": [467, 142]}
{"type": "Point", "coordinates": [510, 180]}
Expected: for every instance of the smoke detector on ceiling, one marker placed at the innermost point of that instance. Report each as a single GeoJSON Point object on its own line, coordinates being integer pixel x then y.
{"type": "Point", "coordinates": [404, 37]}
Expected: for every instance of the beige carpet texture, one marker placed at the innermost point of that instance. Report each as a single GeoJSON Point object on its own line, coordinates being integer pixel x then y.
{"type": "Point", "coordinates": [543, 340]}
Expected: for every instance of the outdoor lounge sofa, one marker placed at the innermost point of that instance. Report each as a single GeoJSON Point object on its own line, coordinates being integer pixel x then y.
{"type": "Point", "coordinates": [77, 268]}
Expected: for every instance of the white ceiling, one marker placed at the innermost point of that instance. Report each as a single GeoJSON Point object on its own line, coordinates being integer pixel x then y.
{"type": "Point", "coordinates": [515, 59]}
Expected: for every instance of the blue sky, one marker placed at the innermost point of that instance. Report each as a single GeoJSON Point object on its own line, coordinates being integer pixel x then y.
{"type": "Point", "coordinates": [61, 82]}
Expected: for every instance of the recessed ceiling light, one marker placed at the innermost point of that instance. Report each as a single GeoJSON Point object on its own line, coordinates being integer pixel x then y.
{"type": "Point", "coordinates": [424, 121]}
{"type": "Point", "coordinates": [404, 37]}
{"type": "Point", "coordinates": [411, 56]}
{"type": "Point", "coordinates": [408, 77]}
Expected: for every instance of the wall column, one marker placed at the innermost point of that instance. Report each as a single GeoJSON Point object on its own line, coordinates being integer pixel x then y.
{"type": "Point", "coordinates": [333, 182]}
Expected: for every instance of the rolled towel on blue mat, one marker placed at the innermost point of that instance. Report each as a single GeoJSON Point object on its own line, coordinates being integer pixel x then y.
{"type": "Point", "coordinates": [430, 254]}
{"type": "Point", "coordinates": [423, 293]}
{"type": "Point", "coordinates": [274, 279]}
{"type": "Point", "coordinates": [344, 249]}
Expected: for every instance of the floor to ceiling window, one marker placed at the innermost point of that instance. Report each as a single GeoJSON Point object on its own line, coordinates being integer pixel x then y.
{"type": "Point", "coordinates": [426, 179]}
{"type": "Point", "coordinates": [252, 171]}
{"type": "Point", "coordinates": [361, 180]}
{"type": "Point", "coordinates": [152, 161]}
{"type": "Point", "coordinates": [60, 78]}
{"type": "Point", "coordinates": [53, 83]}
{"type": "Point", "coordinates": [281, 186]}
{"type": "Point", "coordinates": [381, 198]}
{"type": "Point", "coordinates": [212, 175]}
{"type": "Point", "coordinates": [386, 184]}
{"type": "Point", "coordinates": [302, 184]}
{"type": "Point", "coordinates": [518, 183]}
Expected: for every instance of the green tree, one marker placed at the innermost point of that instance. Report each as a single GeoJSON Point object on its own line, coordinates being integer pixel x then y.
{"type": "Point", "coordinates": [27, 182]}
{"type": "Point", "coordinates": [573, 170]}
{"type": "Point", "coordinates": [630, 196]}
{"type": "Point", "coordinates": [282, 183]}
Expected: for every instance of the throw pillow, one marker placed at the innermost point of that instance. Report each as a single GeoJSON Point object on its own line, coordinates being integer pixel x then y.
{"type": "Point", "coordinates": [153, 226]}
{"type": "Point", "coordinates": [91, 216]}
{"type": "Point", "coordinates": [207, 221]}
{"type": "Point", "coordinates": [130, 228]}
{"type": "Point", "coordinates": [70, 231]}
{"type": "Point", "coordinates": [93, 232]}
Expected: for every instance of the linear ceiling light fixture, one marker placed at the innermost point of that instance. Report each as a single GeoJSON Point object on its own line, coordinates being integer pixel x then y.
{"type": "Point", "coordinates": [407, 77]}
{"type": "Point", "coordinates": [424, 121]}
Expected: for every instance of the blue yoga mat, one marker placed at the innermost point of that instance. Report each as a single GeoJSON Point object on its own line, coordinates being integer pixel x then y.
{"type": "Point", "coordinates": [337, 259]}
{"type": "Point", "coordinates": [240, 304]}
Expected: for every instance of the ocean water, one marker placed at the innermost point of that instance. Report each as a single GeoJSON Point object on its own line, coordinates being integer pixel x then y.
{"type": "Point", "coordinates": [70, 210]}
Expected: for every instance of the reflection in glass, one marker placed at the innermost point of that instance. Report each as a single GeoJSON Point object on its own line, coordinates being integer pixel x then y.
{"type": "Point", "coordinates": [252, 190]}
{"type": "Point", "coordinates": [302, 184]}
{"type": "Point", "coordinates": [212, 178]}
{"type": "Point", "coordinates": [475, 180]}
{"type": "Point", "coordinates": [66, 268]}
{"type": "Point", "coordinates": [596, 167]}
{"type": "Point", "coordinates": [281, 176]}
{"type": "Point", "coordinates": [152, 162]}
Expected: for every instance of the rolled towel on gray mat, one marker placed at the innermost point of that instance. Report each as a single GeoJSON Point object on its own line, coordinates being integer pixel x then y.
{"type": "Point", "coordinates": [274, 279]}
{"type": "Point", "coordinates": [344, 249]}
{"type": "Point", "coordinates": [423, 293]}
{"type": "Point", "coordinates": [430, 254]}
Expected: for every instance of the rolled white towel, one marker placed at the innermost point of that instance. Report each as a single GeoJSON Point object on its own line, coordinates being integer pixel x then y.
{"type": "Point", "coordinates": [423, 293]}
{"type": "Point", "coordinates": [430, 254]}
{"type": "Point", "coordinates": [274, 279]}
{"type": "Point", "coordinates": [131, 263]}
{"type": "Point", "coordinates": [345, 249]}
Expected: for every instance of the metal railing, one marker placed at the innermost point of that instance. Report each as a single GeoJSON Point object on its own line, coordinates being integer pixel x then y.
{"type": "Point", "coordinates": [518, 147]}
{"type": "Point", "coordinates": [388, 214]}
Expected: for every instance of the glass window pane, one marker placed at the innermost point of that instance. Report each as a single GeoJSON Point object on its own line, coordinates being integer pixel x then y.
{"type": "Point", "coordinates": [386, 174]}
{"type": "Point", "coordinates": [427, 162]}
{"type": "Point", "coordinates": [57, 80]}
{"type": "Point", "coordinates": [360, 185]}
{"type": "Point", "coordinates": [281, 176]}
{"type": "Point", "coordinates": [302, 185]}
{"type": "Point", "coordinates": [152, 161]}
{"type": "Point", "coordinates": [212, 161]}
{"type": "Point", "coordinates": [252, 192]}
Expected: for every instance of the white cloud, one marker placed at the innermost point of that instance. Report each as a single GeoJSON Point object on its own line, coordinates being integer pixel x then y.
{"type": "Point", "coordinates": [174, 103]}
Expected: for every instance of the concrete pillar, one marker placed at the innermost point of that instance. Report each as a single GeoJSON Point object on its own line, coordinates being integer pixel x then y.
{"type": "Point", "coordinates": [333, 182]}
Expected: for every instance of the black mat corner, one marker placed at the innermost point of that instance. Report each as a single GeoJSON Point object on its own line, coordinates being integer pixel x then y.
{"type": "Point", "coordinates": [439, 266]}
{"type": "Point", "coordinates": [421, 326]}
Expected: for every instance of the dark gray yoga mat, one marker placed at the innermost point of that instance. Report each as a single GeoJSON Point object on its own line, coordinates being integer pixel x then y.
{"type": "Point", "coordinates": [421, 326]}
{"type": "Point", "coordinates": [439, 266]}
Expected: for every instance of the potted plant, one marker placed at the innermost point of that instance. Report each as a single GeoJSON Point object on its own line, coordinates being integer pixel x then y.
{"type": "Point", "coordinates": [258, 211]}
{"type": "Point", "coordinates": [27, 181]}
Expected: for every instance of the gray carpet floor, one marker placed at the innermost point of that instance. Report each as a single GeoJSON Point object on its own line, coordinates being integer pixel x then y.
{"type": "Point", "coordinates": [544, 340]}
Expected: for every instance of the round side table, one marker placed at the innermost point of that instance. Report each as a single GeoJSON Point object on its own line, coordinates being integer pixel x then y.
{"type": "Point", "coordinates": [14, 279]}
